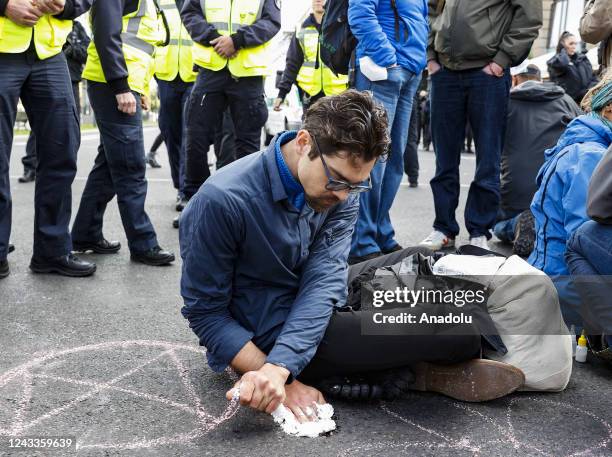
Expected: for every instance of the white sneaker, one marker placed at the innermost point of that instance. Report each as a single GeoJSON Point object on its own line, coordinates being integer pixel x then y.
{"type": "Point", "coordinates": [480, 242]}
{"type": "Point", "coordinates": [436, 241]}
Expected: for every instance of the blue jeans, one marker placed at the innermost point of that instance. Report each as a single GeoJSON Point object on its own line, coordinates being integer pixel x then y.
{"type": "Point", "coordinates": [458, 96]}
{"type": "Point", "coordinates": [589, 259]}
{"type": "Point", "coordinates": [46, 92]}
{"type": "Point", "coordinates": [119, 169]}
{"type": "Point", "coordinates": [173, 98]}
{"type": "Point", "coordinates": [506, 229]}
{"type": "Point", "coordinates": [373, 231]}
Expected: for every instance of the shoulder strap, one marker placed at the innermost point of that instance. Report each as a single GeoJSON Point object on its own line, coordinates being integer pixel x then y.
{"type": "Point", "coordinates": [397, 22]}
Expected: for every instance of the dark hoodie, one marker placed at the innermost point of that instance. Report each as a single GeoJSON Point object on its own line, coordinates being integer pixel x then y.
{"type": "Point", "coordinates": [538, 114]}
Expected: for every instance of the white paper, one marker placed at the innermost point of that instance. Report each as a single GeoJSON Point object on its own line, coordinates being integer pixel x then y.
{"type": "Point", "coordinates": [371, 70]}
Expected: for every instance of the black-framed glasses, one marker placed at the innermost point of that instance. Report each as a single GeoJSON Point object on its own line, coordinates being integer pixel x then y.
{"type": "Point", "coordinates": [337, 185]}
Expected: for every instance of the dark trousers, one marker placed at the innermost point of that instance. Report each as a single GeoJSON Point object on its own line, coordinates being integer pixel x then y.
{"type": "Point", "coordinates": [119, 169]}
{"type": "Point", "coordinates": [411, 155]}
{"type": "Point", "coordinates": [589, 259]}
{"type": "Point", "coordinates": [173, 98]}
{"type": "Point", "coordinates": [46, 93]}
{"type": "Point", "coordinates": [456, 97]}
{"type": "Point", "coordinates": [159, 139]}
{"type": "Point", "coordinates": [345, 351]}
{"type": "Point", "coordinates": [29, 160]}
{"type": "Point", "coordinates": [213, 93]}
{"type": "Point", "coordinates": [225, 140]}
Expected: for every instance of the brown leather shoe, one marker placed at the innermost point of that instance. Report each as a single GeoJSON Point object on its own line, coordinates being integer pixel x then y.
{"type": "Point", "coordinates": [474, 381]}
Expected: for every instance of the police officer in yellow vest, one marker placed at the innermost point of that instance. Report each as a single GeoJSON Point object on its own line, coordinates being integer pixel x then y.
{"type": "Point", "coordinates": [232, 51]}
{"type": "Point", "coordinates": [305, 67]}
{"type": "Point", "coordinates": [33, 68]}
{"type": "Point", "coordinates": [175, 76]}
{"type": "Point", "coordinates": [119, 68]}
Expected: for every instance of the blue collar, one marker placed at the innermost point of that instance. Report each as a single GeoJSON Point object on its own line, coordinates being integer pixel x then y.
{"type": "Point", "coordinates": [295, 191]}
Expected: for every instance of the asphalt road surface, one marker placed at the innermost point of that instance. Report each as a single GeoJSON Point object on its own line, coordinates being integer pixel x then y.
{"type": "Point", "coordinates": [110, 362]}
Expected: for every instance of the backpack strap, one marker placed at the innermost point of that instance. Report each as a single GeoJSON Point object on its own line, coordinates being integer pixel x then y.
{"type": "Point", "coordinates": [397, 22]}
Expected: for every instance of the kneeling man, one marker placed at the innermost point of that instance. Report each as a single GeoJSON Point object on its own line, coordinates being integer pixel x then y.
{"type": "Point", "coordinates": [265, 243]}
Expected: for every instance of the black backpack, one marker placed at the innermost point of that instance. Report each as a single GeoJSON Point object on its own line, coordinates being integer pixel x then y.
{"type": "Point", "coordinates": [337, 41]}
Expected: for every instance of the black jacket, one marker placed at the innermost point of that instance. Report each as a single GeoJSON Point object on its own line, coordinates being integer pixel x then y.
{"type": "Point", "coordinates": [599, 206]}
{"type": "Point", "coordinates": [295, 59]}
{"type": "Point", "coordinates": [75, 50]}
{"type": "Point", "coordinates": [258, 33]}
{"type": "Point", "coordinates": [538, 114]}
{"type": "Point", "coordinates": [574, 74]}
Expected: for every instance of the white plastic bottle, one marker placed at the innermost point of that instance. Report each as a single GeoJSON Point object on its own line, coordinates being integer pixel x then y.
{"type": "Point", "coordinates": [581, 349]}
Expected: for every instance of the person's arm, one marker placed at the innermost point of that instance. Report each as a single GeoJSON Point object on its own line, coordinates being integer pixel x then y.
{"type": "Point", "coordinates": [596, 23]}
{"type": "Point", "coordinates": [295, 60]}
{"type": "Point", "coordinates": [559, 63]}
{"type": "Point", "coordinates": [599, 204]}
{"type": "Point", "coordinates": [522, 32]}
{"type": "Point", "coordinates": [366, 28]}
{"type": "Point", "coordinates": [74, 9]}
{"type": "Point", "coordinates": [262, 30]}
{"type": "Point", "coordinates": [107, 25]}
{"type": "Point", "coordinates": [433, 14]}
{"type": "Point", "coordinates": [323, 285]}
{"type": "Point", "coordinates": [210, 233]}
{"type": "Point", "coordinates": [199, 29]}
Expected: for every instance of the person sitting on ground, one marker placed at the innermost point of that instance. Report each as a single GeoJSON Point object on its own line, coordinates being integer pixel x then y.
{"type": "Point", "coordinates": [570, 68]}
{"type": "Point", "coordinates": [589, 259]}
{"type": "Point", "coordinates": [559, 204]}
{"type": "Point", "coordinates": [265, 243]}
{"type": "Point", "coordinates": [538, 114]}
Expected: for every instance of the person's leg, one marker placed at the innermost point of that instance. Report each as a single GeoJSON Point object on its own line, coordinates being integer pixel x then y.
{"type": "Point", "coordinates": [504, 230]}
{"type": "Point", "coordinates": [14, 72]}
{"type": "Point", "coordinates": [49, 102]}
{"type": "Point", "coordinates": [426, 130]}
{"type": "Point", "coordinates": [225, 141]}
{"type": "Point", "coordinates": [249, 111]}
{"type": "Point", "coordinates": [157, 142]}
{"type": "Point", "coordinates": [364, 238]}
{"type": "Point", "coordinates": [394, 170]}
{"type": "Point", "coordinates": [170, 125]}
{"type": "Point", "coordinates": [76, 92]}
{"type": "Point", "coordinates": [184, 100]}
{"type": "Point", "coordinates": [123, 142]}
{"type": "Point", "coordinates": [411, 156]}
{"type": "Point", "coordinates": [206, 104]}
{"type": "Point", "coordinates": [488, 106]}
{"type": "Point", "coordinates": [589, 260]}
{"type": "Point", "coordinates": [448, 117]}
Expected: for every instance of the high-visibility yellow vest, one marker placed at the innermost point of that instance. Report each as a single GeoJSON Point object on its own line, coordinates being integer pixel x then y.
{"type": "Point", "coordinates": [142, 31]}
{"type": "Point", "coordinates": [311, 79]}
{"type": "Point", "coordinates": [49, 36]}
{"type": "Point", "coordinates": [176, 58]}
{"type": "Point", "coordinates": [228, 16]}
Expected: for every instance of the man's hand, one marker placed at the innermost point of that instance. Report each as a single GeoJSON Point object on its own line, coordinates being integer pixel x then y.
{"type": "Point", "coordinates": [301, 399]}
{"type": "Point", "coordinates": [145, 103]}
{"type": "Point", "coordinates": [494, 69]}
{"type": "Point", "coordinates": [126, 103]}
{"type": "Point", "coordinates": [51, 7]}
{"type": "Point", "coordinates": [224, 46]}
{"type": "Point", "coordinates": [277, 104]}
{"type": "Point", "coordinates": [263, 389]}
{"type": "Point", "coordinates": [433, 67]}
{"type": "Point", "coordinates": [23, 12]}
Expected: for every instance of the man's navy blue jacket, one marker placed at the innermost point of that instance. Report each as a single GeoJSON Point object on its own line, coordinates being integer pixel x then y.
{"type": "Point", "coordinates": [257, 269]}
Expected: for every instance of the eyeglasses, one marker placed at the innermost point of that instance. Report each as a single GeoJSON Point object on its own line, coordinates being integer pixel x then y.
{"type": "Point", "coordinates": [337, 185]}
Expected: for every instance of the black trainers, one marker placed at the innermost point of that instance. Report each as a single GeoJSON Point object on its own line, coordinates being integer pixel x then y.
{"type": "Point", "coordinates": [181, 202]}
{"type": "Point", "coordinates": [524, 236]}
{"type": "Point", "coordinates": [28, 176]}
{"type": "Point", "coordinates": [152, 160]}
{"type": "Point", "coordinates": [155, 257]}
{"type": "Point", "coordinates": [4, 269]}
{"type": "Point", "coordinates": [11, 248]}
{"type": "Point", "coordinates": [176, 222]}
{"type": "Point", "coordinates": [66, 265]}
{"type": "Point", "coordinates": [99, 247]}
{"type": "Point", "coordinates": [387, 385]}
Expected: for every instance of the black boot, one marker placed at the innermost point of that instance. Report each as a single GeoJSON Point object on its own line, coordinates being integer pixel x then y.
{"type": "Point", "coordinates": [28, 176]}
{"type": "Point", "coordinates": [4, 269]}
{"type": "Point", "coordinates": [181, 202]}
{"type": "Point", "coordinates": [66, 265]}
{"type": "Point", "coordinates": [99, 247]}
{"type": "Point", "coordinates": [11, 248]}
{"type": "Point", "coordinates": [176, 222]}
{"type": "Point", "coordinates": [152, 160]}
{"type": "Point", "coordinates": [155, 256]}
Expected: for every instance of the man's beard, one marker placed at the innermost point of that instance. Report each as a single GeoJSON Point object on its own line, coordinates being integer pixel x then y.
{"type": "Point", "coordinates": [321, 204]}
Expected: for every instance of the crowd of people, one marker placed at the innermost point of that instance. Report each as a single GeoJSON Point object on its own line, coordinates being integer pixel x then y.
{"type": "Point", "coordinates": [316, 200]}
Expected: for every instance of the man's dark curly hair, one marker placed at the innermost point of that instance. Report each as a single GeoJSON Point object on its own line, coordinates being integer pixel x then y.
{"type": "Point", "coordinates": [353, 122]}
